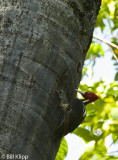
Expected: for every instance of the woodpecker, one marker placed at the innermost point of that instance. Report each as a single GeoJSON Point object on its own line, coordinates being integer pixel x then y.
{"type": "Point", "coordinates": [75, 113]}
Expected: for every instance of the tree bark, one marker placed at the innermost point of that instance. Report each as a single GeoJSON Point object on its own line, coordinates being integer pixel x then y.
{"type": "Point", "coordinates": [43, 48]}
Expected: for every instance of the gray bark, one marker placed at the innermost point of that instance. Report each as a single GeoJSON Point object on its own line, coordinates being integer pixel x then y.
{"type": "Point", "coordinates": [43, 44]}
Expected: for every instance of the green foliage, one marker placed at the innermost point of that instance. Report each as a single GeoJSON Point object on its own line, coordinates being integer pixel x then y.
{"type": "Point", "coordinates": [85, 134]}
{"type": "Point", "coordinates": [102, 117]}
{"type": "Point", "coordinates": [62, 150]}
{"type": "Point", "coordinates": [101, 120]}
{"type": "Point", "coordinates": [95, 50]}
{"type": "Point", "coordinates": [109, 12]}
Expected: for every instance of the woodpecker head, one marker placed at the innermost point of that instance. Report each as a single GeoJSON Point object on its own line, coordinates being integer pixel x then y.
{"type": "Point", "coordinates": [89, 96]}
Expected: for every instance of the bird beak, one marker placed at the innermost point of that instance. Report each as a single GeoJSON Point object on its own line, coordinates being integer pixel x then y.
{"type": "Point", "coordinates": [86, 101]}
{"type": "Point", "coordinates": [82, 93]}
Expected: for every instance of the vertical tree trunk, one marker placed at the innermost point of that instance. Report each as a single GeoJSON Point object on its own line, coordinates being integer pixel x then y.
{"type": "Point", "coordinates": [43, 48]}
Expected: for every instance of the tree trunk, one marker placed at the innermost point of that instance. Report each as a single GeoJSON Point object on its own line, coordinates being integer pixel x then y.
{"type": "Point", "coordinates": [43, 48]}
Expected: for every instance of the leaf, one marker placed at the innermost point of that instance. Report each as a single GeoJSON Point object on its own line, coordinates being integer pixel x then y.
{"type": "Point", "coordinates": [95, 50]}
{"type": "Point", "coordinates": [114, 113]}
{"type": "Point", "coordinates": [98, 152]}
{"type": "Point", "coordinates": [63, 149]}
{"type": "Point", "coordinates": [116, 77]}
{"type": "Point", "coordinates": [85, 134]}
